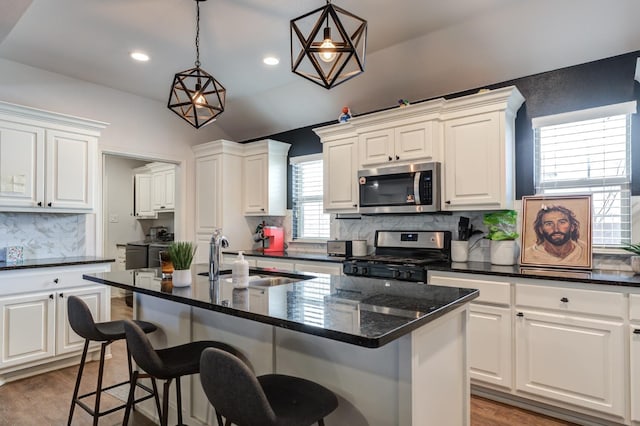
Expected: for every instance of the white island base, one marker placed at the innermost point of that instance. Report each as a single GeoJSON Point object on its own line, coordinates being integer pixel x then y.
{"type": "Point", "coordinates": [419, 379]}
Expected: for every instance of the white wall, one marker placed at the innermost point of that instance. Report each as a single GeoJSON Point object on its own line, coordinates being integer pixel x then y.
{"type": "Point", "coordinates": [137, 126]}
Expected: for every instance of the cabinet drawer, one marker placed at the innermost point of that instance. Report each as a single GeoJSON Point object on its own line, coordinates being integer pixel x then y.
{"type": "Point", "coordinates": [46, 279]}
{"type": "Point", "coordinates": [490, 291]}
{"type": "Point", "coordinates": [571, 300]}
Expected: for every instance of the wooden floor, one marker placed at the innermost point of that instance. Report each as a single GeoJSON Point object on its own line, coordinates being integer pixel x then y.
{"type": "Point", "coordinates": [45, 399]}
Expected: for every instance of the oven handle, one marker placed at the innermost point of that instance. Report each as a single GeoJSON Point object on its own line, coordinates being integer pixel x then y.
{"type": "Point", "coordinates": [416, 187]}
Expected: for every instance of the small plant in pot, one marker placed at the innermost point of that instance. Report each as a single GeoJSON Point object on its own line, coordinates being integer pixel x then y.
{"type": "Point", "coordinates": [502, 233]}
{"type": "Point", "coordinates": [635, 259]}
{"type": "Point", "coordinates": [181, 253]}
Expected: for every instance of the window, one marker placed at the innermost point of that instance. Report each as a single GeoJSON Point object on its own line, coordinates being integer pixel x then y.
{"type": "Point", "coordinates": [589, 151]}
{"type": "Point", "coordinates": [309, 220]}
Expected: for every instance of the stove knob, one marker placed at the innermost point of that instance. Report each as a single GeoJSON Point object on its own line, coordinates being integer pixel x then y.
{"type": "Point", "coordinates": [407, 275]}
{"type": "Point", "coordinates": [396, 274]}
{"type": "Point", "coordinates": [364, 271]}
{"type": "Point", "coordinates": [354, 270]}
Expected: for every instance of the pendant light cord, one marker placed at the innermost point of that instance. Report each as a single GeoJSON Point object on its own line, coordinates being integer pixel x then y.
{"type": "Point", "coordinates": [197, 64]}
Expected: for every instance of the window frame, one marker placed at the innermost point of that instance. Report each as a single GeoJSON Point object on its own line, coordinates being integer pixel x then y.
{"type": "Point", "coordinates": [293, 161]}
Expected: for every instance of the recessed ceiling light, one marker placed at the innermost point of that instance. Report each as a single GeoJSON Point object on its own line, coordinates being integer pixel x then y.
{"type": "Point", "coordinates": [271, 60]}
{"type": "Point", "coordinates": [140, 56]}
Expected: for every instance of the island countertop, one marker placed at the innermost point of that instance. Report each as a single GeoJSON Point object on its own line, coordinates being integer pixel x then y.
{"type": "Point", "coordinates": [361, 311]}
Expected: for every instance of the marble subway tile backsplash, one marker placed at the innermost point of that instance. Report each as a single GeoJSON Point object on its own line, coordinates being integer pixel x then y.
{"type": "Point", "coordinates": [44, 235]}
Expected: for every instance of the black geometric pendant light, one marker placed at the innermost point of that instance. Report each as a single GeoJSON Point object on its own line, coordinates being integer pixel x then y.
{"type": "Point", "coordinates": [334, 49]}
{"type": "Point", "coordinates": [195, 95]}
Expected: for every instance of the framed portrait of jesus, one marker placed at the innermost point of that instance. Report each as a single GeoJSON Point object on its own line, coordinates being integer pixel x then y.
{"type": "Point", "coordinates": [556, 231]}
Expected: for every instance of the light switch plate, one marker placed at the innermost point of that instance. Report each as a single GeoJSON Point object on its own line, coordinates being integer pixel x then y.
{"type": "Point", "coordinates": [113, 218]}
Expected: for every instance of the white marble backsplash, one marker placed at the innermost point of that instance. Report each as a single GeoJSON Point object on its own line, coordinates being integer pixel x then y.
{"type": "Point", "coordinates": [44, 235]}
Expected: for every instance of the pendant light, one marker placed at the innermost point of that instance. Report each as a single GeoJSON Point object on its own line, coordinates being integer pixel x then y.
{"type": "Point", "coordinates": [195, 95]}
{"type": "Point", "coordinates": [334, 49]}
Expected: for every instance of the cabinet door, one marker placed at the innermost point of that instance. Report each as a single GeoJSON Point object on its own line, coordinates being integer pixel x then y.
{"type": "Point", "coordinates": [571, 359]}
{"type": "Point", "coordinates": [208, 199]}
{"type": "Point", "coordinates": [340, 175]}
{"type": "Point", "coordinates": [27, 324]}
{"type": "Point", "coordinates": [95, 297]}
{"type": "Point", "coordinates": [320, 267]}
{"type": "Point", "coordinates": [259, 300]}
{"type": "Point", "coordinates": [414, 142]}
{"type": "Point", "coordinates": [274, 263]}
{"type": "Point", "coordinates": [158, 188]}
{"type": "Point", "coordinates": [474, 163]}
{"type": "Point", "coordinates": [164, 190]}
{"type": "Point", "coordinates": [170, 189]}
{"type": "Point", "coordinates": [490, 345]}
{"type": "Point", "coordinates": [21, 165]}
{"type": "Point", "coordinates": [256, 184]}
{"type": "Point", "coordinates": [70, 170]}
{"type": "Point", "coordinates": [634, 373]}
{"type": "Point", "coordinates": [143, 205]}
{"type": "Point", "coordinates": [376, 147]}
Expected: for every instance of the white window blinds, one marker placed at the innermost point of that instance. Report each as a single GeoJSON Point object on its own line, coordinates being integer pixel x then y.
{"type": "Point", "coordinates": [589, 151]}
{"type": "Point", "coordinates": [309, 220]}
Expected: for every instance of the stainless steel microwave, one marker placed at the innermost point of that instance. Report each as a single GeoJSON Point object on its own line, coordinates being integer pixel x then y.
{"type": "Point", "coordinates": [413, 188]}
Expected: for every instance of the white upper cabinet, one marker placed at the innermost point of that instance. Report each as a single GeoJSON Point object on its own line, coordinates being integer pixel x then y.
{"type": "Point", "coordinates": [265, 178]}
{"type": "Point", "coordinates": [143, 196]}
{"type": "Point", "coordinates": [397, 145]}
{"type": "Point", "coordinates": [164, 186]}
{"type": "Point", "coordinates": [47, 160]}
{"type": "Point", "coordinates": [340, 174]}
{"type": "Point", "coordinates": [479, 150]}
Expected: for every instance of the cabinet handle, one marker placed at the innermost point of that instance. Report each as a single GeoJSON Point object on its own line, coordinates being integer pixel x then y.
{"type": "Point", "coordinates": [61, 294]}
{"type": "Point", "coordinates": [51, 296]}
{"type": "Point", "coordinates": [261, 210]}
{"type": "Point", "coordinates": [447, 202]}
{"type": "Point", "coordinates": [56, 280]}
{"type": "Point", "coordinates": [636, 331]}
{"type": "Point", "coordinates": [519, 314]}
{"type": "Point", "coordinates": [49, 204]}
{"type": "Point", "coordinates": [390, 158]}
{"type": "Point", "coordinates": [397, 158]}
{"type": "Point", "coordinates": [39, 203]}
{"type": "Point", "coordinates": [564, 300]}
{"type": "Point", "coordinates": [162, 207]}
{"type": "Point", "coordinates": [355, 205]}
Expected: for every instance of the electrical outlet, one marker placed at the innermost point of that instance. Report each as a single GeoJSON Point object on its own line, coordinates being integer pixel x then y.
{"type": "Point", "coordinates": [113, 218]}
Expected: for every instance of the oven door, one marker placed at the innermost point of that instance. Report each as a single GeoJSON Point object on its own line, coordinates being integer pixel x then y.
{"type": "Point", "coordinates": [403, 189]}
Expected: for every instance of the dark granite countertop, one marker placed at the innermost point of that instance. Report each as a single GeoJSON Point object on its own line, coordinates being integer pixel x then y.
{"type": "Point", "coordinates": [361, 311]}
{"type": "Point", "coordinates": [53, 261]}
{"type": "Point", "coordinates": [291, 255]}
{"type": "Point", "coordinates": [595, 276]}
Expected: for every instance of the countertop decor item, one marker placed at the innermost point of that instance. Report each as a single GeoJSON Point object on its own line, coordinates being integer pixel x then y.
{"type": "Point", "coordinates": [557, 231]}
{"type": "Point", "coordinates": [333, 51]}
{"type": "Point", "coordinates": [182, 253]}
{"type": "Point", "coordinates": [502, 233]}
{"type": "Point", "coordinates": [635, 259]}
{"type": "Point", "coordinates": [196, 96]}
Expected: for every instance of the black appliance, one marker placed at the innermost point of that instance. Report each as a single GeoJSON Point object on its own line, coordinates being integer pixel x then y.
{"type": "Point", "coordinates": [413, 188]}
{"type": "Point", "coordinates": [402, 255]}
{"type": "Point", "coordinates": [154, 254]}
{"type": "Point", "coordinates": [136, 255]}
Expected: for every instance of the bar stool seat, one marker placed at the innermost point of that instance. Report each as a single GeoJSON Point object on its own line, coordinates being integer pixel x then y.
{"type": "Point", "coordinates": [268, 400]}
{"type": "Point", "coordinates": [167, 364]}
{"type": "Point", "coordinates": [81, 321]}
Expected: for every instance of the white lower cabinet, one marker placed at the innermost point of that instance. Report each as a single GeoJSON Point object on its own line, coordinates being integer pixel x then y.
{"type": "Point", "coordinates": [634, 348]}
{"type": "Point", "coordinates": [267, 262]}
{"type": "Point", "coordinates": [34, 326]}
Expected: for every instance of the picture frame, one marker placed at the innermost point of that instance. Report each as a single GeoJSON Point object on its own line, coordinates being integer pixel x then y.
{"type": "Point", "coordinates": [557, 231]}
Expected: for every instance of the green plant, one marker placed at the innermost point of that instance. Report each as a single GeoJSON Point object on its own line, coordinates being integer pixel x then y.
{"type": "Point", "coordinates": [633, 248]}
{"type": "Point", "coordinates": [502, 225]}
{"type": "Point", "coordinates": [182, 253]}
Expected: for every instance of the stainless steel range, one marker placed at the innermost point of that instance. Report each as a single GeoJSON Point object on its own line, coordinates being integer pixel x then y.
{"type": "Point", "coordinates": [402, 255]}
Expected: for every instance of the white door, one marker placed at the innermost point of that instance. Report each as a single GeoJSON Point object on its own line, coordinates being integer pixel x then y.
{"type": "Point", "coordinates": [256, 184]}
{"type": "Point", "coordinates": [27, 324]}
{"type": "Point", "coordinates": [143, 187]}
{"type": "Point", "coordinates": [473, 161]}
{"type": "Point", "coordinates": [490, 345]}
{"type": "Point", "coordinates": [571, 359]}
{"type": "Point", "coordinates": [21, 165]}
{"type": "Point", "coordinates": [70, 170]}
{"type": "Point", "coordinates": [414, 142]}
{"type": "Point", "coordinates": [377, 147]}
{"type": "Point", "coordinates": [340, 174]}
{"type": "Point", "coordinates": [95, 297]}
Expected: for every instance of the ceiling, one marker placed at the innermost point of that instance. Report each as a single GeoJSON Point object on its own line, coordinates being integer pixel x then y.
{"type": "Point", "coordinates": [416, 49]}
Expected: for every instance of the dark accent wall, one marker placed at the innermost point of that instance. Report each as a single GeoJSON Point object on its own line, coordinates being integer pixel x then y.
{"type": "Point", "coordinates": [589, 85]}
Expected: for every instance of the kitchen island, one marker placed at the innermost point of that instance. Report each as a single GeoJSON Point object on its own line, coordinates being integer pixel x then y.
{"type": "Point", "coordinates": [394, 352]}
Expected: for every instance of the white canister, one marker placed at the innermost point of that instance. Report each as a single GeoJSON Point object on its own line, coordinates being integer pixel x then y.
{"type": "Point", "coordinates": [459, 251]}
{"type": "Point", "coordinates": [359, 247]}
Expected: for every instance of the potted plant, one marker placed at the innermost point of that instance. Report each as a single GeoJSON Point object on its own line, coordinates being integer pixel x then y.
{"type": "Point", "coordinates": [181, 253]}
{"type": "Point", "coordinates": [635, 259]}
{"type": "Point", "coordinates": [502, 233]}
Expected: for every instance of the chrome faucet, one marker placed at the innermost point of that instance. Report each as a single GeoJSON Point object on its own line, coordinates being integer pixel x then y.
{"type": "Point", "coordinates": [218, 242]}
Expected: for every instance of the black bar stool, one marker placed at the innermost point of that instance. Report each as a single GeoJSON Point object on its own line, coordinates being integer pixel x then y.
{"type": "Point", "coordinates": [82, 323]}
{"type": "Point", "coordinates": [268, 400]}
{"type": "Point", "coordinates": [167, 364]}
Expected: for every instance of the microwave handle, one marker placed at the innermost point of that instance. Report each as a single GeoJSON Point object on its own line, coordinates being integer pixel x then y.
{"type": "Point", "coordinates": [416, 187]}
